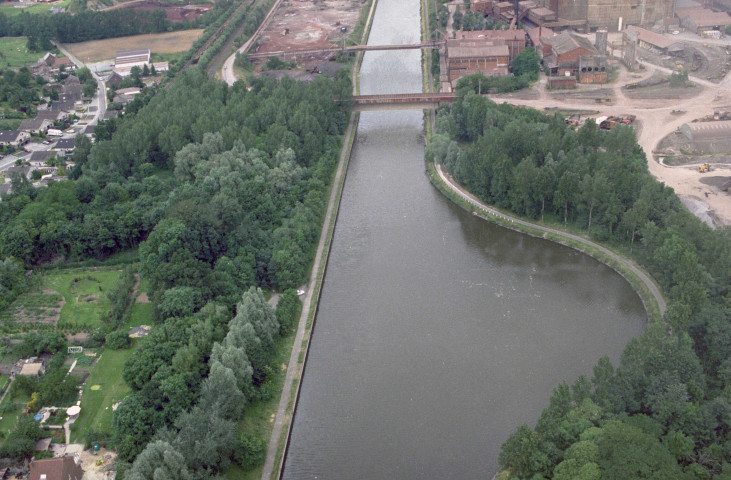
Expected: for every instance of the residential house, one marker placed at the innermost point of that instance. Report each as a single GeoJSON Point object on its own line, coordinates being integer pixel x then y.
{"type": "Point", "coordinates": [39, 158]}
{"type": "Point", "coordinates": [36, 125]}
{"type": "Point", "coordinates": [14, 138]}
{"type": "Point", "coordinates": [59, 468]}
{"type": "Point", "coordinates": [53, 116]}
{"type": "Point", "coordinates": [66, 145]}
{"type": "Point", "coordinates": [113, 80]}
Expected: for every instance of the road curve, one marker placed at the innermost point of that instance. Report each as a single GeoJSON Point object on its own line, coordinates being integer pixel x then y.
{"type": "Point", "coordinates": [227, 71]}
{"type": "Point", "coordinates": [641, 274]}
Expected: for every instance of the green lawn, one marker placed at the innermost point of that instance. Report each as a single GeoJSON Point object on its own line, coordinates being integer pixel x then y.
{"type": "Point", "coordinates": [103, 388]}
{"type": "Point", "coordinates": [85, 292]}
{"type": "Point", "coordinates": [13, 52]}
{"type": "Point", "coordinates": [141, 315]}
{"type": "Point", "coordinates": [10, 417]}
{"type": "Point", "coordinates": [258, 415]}
{"type": "Point", "coordinates": [4, 379]}
{"type": "Point", "coordinates": [11, 10]}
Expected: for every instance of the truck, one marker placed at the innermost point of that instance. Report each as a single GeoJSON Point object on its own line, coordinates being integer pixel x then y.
{"type": "Point", "coordinates": [53, 132]}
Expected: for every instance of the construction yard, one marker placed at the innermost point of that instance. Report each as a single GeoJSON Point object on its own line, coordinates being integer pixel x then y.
{"type": "Point", "coordinates": [310, 25]}
{"type": "Point", "coordinates": [98, 50]}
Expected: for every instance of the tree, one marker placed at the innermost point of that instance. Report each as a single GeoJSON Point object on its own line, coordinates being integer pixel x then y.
{"type": "Point", "coordinates": [521, 454]}
{"type": "Point", "coordinates": [527, 62]}
{"type": "Point", "coordinates": [159, 461]}
{"type": "Point", "coordinates": [220, 393]}
{"type": "Point", "coordinates": [117, 340]}
{"type": "Point", "coordinates": [594, 190]}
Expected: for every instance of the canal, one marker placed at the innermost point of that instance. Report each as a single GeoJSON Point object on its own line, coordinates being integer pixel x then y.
{"type": "Point", "coordinates": [437, 333]}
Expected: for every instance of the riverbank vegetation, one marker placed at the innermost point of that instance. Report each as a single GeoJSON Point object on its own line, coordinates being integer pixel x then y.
{"type": "Point", "coordinates": [663, 412]}
{"type": "Point", "coordinates": [220, 189]}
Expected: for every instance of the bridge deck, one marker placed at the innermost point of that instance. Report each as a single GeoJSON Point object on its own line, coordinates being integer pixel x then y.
{"type": "Point", "coordinates": [396, 98]}
{"type": "Point", "coordinates": [352, 48]}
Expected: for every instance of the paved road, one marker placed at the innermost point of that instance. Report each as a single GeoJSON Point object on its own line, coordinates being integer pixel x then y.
{"type": "Point", "coordinates": [101, 91]}
{"type": "Point", "coordinates": [227, 72]}
{"type": "Point", "coordinates": [618, 258]}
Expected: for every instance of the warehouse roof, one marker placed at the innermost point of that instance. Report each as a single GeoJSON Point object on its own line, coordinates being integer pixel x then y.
{"type": "Point", "coordinates": [704, 17]}
{"type": "Point", "coordinates": [706, 130]}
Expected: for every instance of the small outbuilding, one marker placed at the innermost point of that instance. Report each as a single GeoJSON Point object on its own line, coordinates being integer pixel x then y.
{"type": "Point", "coordinates": [35, 369]}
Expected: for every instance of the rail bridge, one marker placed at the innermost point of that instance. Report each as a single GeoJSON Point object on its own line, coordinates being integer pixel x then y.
{"type": "Point", "coordinates": [400, 100]}
{"type": "Point", "coordinates": [351, 48]}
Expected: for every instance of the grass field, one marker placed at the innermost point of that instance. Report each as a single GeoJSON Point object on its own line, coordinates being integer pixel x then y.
{"type": "Point", "coordinates": [162, 43]}
{"type": "Point", "coordinates": [10, 417]}
{"type": "Point", "coordinates": [105, 385]}
{"type": "Point", "coordinates": [85, 292]}
{"type": "Point", "coordinates": [103, 388]}
{"type": "Point", "coordinates": [13, 52]}
{"type": "Point", "coordinates": [13, 9]}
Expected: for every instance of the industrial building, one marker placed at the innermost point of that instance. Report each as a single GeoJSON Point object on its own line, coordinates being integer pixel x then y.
{"type": "Point", "coordinates": [466, 57]}
{"type": "Point", "coordinates": [611, 14]}
{"type": "Point", "coordinates": [701, 20]}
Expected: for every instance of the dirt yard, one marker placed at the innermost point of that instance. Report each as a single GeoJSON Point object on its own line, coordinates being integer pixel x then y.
{"type": "Point", "coordinates": [309, 25]}
{"type": "Point", "coordinates": [710, 62]}
{"type": "Point", "coordinates": [98, 50]}
{"type": "Point", "coordinates": [658, 86]}
{"type": "Point", "coordinates": [174, 13]}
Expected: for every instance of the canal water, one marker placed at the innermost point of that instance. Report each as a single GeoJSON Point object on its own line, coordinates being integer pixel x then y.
{"type": "Point", "coordinates": [437, 333]}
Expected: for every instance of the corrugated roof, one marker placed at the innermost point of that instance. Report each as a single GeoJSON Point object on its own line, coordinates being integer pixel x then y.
{"type": "Point", "coordinates": [544, 33]}
{"type": "Point", "coordinates": [704, 130]}
{"type": "Point", "coordinates": [565, 42]}
{"type": "Point", "coordinates": [704, 17]}
{"type": "Point", "coordinates": [652, 38]}
{"type": "Point", "coordinates": [133, 53]}
{"type": "Point", "coordinates": [472, 51]}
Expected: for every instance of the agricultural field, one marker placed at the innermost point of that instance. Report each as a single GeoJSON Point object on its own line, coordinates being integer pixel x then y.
{"type": "Point", "coordinates": [97, 50]}
{"type": "Point", "coordinates": [13, 51]}
{"type": "Point", "coordinates": [69, 299]}
{"type": "Point", "coordinates": [15, 8]}
{"type": "Point", "coordinates": [84, 293]}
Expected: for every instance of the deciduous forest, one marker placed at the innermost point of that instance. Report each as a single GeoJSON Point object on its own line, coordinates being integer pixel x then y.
{"type": "Point", "coordinates": [221, 191]}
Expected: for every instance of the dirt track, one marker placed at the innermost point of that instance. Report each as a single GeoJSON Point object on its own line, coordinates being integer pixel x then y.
{"type": "Point", "coordinates": [658, 120]}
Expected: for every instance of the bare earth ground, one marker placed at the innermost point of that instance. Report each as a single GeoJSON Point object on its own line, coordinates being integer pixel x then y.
{"type": "Point", "coordinates": [309, 26]}
{"type": "Point", "coordinates": [97, 50]}
{"type": "Point", "coordinates": [658, 118]}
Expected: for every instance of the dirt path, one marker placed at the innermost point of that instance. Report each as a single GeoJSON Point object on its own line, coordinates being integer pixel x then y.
{"type": "Point", "coordinates": [227, 71]}
{"type": "Point", "coordinates": [658, 120]}
{"type": "Point", "coordinates": [656, 293]}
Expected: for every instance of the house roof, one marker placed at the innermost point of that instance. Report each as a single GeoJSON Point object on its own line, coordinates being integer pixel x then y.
{"type": "Point", "coordinates": [63, 106]}
{"type": "Point", "coordinates": [33, 123]}
{"type": "Point", "coordinates": [60, 468]}
{"type": "Point", "coordinates": [31, 368]}
{"type": "Point", "coordinates": [566, 42]}
{"type": "Point", "coordinates": [654, 39]}
{"type": "Point", "coordinates": [42, 155]}
{"type": "Point", "coordinates": [65, 143]}
{"type": "Point", "coordinates": [49, 115]}
{"type": "Point", "coordinates": [704, 17]}
{"type": "Point", "coordinates": [9, 135]}
{"type": "Point", "coordinates": [72, 80]}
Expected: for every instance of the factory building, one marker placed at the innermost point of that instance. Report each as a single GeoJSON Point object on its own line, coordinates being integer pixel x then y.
{"type": "Point", "coordinates": [611, 14]}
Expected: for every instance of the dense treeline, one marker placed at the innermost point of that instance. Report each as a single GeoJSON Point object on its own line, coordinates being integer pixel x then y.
{"type": "Point", "coordinates": [665, 411]}
{"type": "Point", "coordinates": [41, 28]}
{"type": "Point", "coordinates": [212, 214]}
